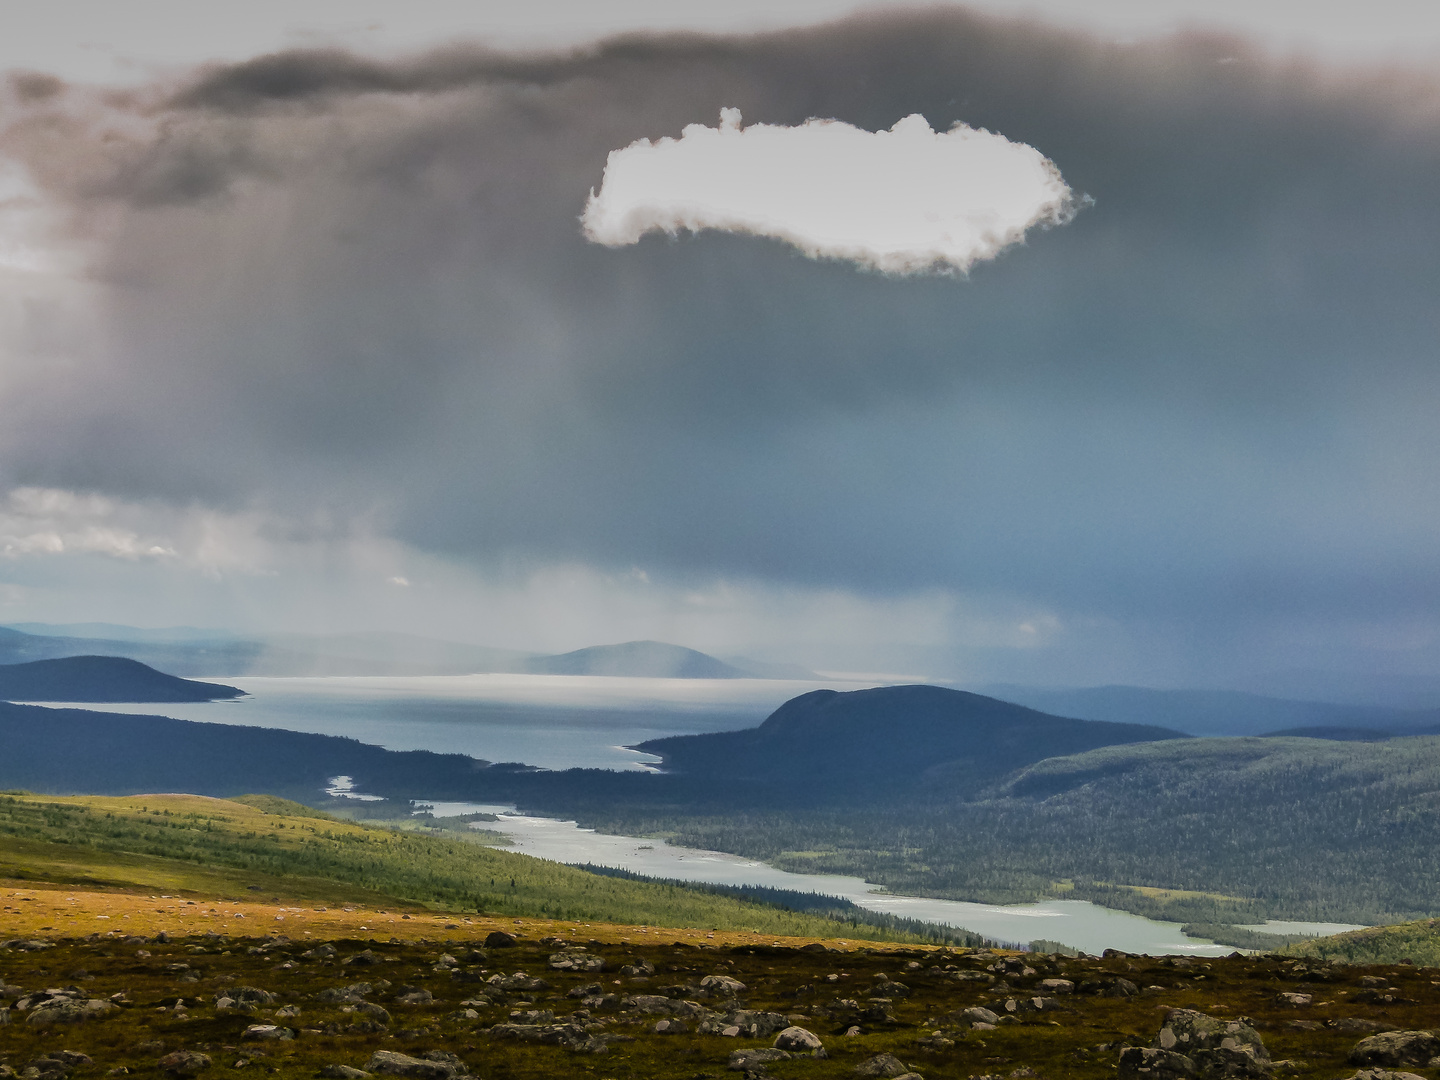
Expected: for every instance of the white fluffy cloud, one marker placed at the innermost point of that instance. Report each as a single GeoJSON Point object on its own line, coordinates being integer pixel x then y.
{"type": "Point", "coordinates": [903, 201]}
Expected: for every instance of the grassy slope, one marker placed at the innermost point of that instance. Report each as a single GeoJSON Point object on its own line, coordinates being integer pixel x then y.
{"type": "Point", "coordinates": [1416, 942]}
{"type": "Point", "coordinates": [203, 845]}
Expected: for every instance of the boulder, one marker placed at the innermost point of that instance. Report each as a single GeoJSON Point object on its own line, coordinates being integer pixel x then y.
{"type": "Point", "coordinates": [756, 1059]}
{"type": "Point", "coordinates": [1216, 1048]}
{"type": "Point", "coordinates": [1385, 1074]}
{"type": "Point", "coordinates": [415, 997]}
{"type": "Point", "coordinates": [881, 1065]}
{"type": "Point", "coordinates": [396, 1064]}
{"type": "Point", "coordinates": [343, 1072]}
{"type": "Point", "coordinates": [250, 995]}
{"type": "Point", "coordinates": [499, 939]}
{"type": "Point", "coordinates": [67, 1011]}
{"type": "Point", "coordinates": [267, 1032]}
{"type": "Point", "coordinates": [1392, 1048]}
{"type": "Point", "coordinates": [1057, 986]}
{"type": "Point", "coordinates": [576, 960]}
{"type": "Point", "coordinates": [976, 1014]}
{"type": "Point", "coordinates": [361, 959]}
{"type": "Point", "coordinates": [1153, 1064]}
{"type": "Point", "coordinates": [721, 986]}
{"type": "Point", "coordinates": [372, 1012]}
{"type": "Point", "coordinates": [184, 1063]}
{"type": "Point", "coordinates": [1293, 1001]}
{"type": "Point", "coordinates": [798, 1040]}
{"type": "Point", "coordinates": [640, 969]}
{"type": "Point", "coordinates": [1108, 986]}
{"type": "Point", "coordinates": [671, 1027]}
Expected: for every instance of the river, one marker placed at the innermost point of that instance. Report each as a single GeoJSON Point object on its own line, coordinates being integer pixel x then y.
{"type": "Point", "coordinates": [1077, 923]}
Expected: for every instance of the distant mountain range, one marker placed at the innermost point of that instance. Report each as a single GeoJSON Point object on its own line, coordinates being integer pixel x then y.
{"type": "Point", "coordinates": [102, 679]}
{"type": "Point", "coordinates": [189, 651]}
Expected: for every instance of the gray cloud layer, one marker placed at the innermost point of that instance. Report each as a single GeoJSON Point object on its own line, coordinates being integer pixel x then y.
{"type": "Point", "coordinates": [361, 287]}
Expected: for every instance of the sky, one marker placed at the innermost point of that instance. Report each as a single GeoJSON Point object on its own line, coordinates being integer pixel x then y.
{"type": "Point", "coordinates": [1058, 343]}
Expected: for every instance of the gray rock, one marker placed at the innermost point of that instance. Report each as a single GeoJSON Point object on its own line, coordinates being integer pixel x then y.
{"type": "Point", "coordinates": [267, 1032]}
{"type": "Point", "coordinates": [67, 1011]}
{"type": "Point", "coordinates": [886, 1065]}
{"type": "Point", "coordinates": [1057, 986]}
{"type": "Point", "coordinates": [1385, 1074]}
{"type": "Point", "coordinates": [639, 969]}
{"type": "Point", "coordinates": [976, 1014]}
{"type": "Point", "coordinates": [755, 1024]}
{"type": "Point", "coordinates": [576, 960]}
{"type": "Point", "coordinates": [249, 995]}
{"type": "Point", "coordinates": [1186, 1031]}
{"type": "Point", "coordinates": [415, 997]}
{"type": "Point", "coordinates": [798, 1040]}
{"type": "Point", "coordinates": [1392, 1048]}
{"type": "Point", "coordinates": [1293, 1001]}
{"type": "Point", "coordinates": [395, 1064]}
{"type": "Point", "coordinates": [184, 1063]}
{"type": "Point", "coordinates": [372, 1012]}
{"type": "Point", "coordinates": [721, 986]}
{"type": "Point", "coordinates": [499, 939]}
{"type": "Point", "coordinates": [343, 1072]}
{"type": "Point", "coordinates": [752, 1060]}
{"type": "Point", "coordinates": [1153, 1064]}
{"type": "Point", "coordinates": [671, 1027]}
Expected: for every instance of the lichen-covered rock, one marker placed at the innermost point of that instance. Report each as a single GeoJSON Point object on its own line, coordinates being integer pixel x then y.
{"type": "Point", "coordinates": [67, 1011]}
{"type": "Point", "coordinates": [798, 1040]}
{"type": "Point", "coordinates": [975, 1014]}
{"type": "Point", "coordinates": [576, 960]}
{"type": "Point", "coordinates": [1385, 1074]}
{"type": "Point", "coordinates": [753, 1060]}
{"type": "Point", "coordinates": [1154, 1064]}
{"type": "Point", "coordinates": [392, 1063]}
{"type": "Point", "coordinates": [1392, 1048]}
{"type": "Point", "coordinates": [184, 1063]}
{"type": "Point", "coordinates": [267, 1032]}
{"type": "Point", "coordinates": [721, 986]}
{"type": "Point", "coordinates": [881, 1065]}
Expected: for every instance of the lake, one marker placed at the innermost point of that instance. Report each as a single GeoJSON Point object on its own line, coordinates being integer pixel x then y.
{"type": "Point", "coordinates": [553, 721]}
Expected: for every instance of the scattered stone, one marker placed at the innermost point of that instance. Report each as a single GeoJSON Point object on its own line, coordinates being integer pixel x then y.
{"type": "Point", "coordinates": [67, 1010]}
{"type": "Point", "coordinates": [1385, 1074]}
{"type": "Point", "coordinates": [184, 1063]}
{"type": "Point", "coordinates": [415, 997]}
{"type": "Point", "coordinates": [1057, 986]}
{"type": "Point", "coordinates": [1146, 1061]}
{"type": "Point", "coordinates": [756, 1059]}
{"type": "Point", "coordinates": [396, 1064]}
{"type": "Point", "coordinates": [721, 986]}
{"type": "Point", "coordinates": [576, 960]}
{"type": "Point", "coordinates": [639, 969]}
{"type": "Point", "coordinates": [343, 1072]}
{"type": "Point", "coordinates": [798, 1040]}
{"type": "Point", "coordinates": [1396, 1048]}
{"type": "Point", "coordinates": [671, 1027]}
{"type": "Point", "coordinates": [269, 1032]}
{"type": "Point", "coordinates": [882, 1065]}
{"type": "Point", "coordinates": [1294, 1001]}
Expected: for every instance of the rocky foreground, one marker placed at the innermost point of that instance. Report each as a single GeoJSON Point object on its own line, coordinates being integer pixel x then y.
{"type": "Point", "coordinates": [505, 1007]}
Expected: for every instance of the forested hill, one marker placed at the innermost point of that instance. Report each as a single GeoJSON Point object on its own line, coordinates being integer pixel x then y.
{"type": "Point", "coordinates": [828, 742]}
{"type": "Point", "coordinates": [102, 679]}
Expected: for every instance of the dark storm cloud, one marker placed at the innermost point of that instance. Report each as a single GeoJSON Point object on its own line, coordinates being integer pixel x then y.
{"type": "Point", "coordinates": [359, 285]}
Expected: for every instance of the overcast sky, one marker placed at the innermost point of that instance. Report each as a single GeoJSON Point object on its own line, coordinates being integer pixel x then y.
{"type": "Point", "coordinates": [300, 330]}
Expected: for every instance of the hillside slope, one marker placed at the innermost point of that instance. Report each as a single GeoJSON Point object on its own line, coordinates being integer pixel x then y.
{"type": "Point", "coordinates": [102, 679]}
{"type": "Point", "coordinates": [827, 742]}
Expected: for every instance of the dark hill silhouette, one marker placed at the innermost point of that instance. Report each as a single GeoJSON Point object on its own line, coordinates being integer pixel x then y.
{"type": "Point", "coordinates": [828, 741]}
{"type": "Point", "coordinates": [102, 679]}
{"type": "Point", "coordinates": [638, 659]}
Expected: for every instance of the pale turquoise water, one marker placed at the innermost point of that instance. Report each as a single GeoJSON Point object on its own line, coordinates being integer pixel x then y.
{"type": "Point", "coordinates": [1076, 923]}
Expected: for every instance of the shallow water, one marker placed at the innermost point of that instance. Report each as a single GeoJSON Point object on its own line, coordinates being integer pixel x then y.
{"type": "Point", "coordinates": [1076, 923]}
